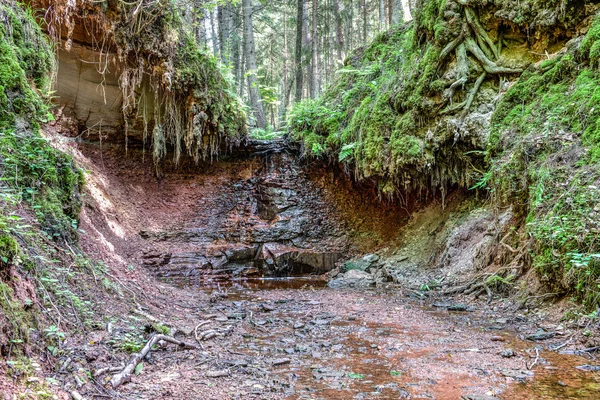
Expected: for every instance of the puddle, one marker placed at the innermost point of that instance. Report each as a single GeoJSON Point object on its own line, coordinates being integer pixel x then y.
{"type": "Point", "coordinates": [252, 284]}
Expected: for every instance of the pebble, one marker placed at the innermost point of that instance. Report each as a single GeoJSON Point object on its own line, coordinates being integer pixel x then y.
{"type": "Point", "coordinates": [217, 374]}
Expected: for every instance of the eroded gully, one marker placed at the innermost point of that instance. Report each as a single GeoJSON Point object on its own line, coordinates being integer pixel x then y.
{"type": "Point", "coordinates": [294, 338]}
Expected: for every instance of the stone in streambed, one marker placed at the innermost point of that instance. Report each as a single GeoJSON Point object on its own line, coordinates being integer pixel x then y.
{"type": "Point", "coordinates": [352, 279]}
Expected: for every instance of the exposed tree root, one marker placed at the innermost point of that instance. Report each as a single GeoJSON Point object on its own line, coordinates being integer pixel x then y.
{"type": "Point", "coordinates": [482, 35]}
{"type": "Point", "coordinates": [472, 39]}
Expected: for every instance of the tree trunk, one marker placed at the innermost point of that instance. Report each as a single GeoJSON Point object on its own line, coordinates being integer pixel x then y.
{"type": "Point", "coordinates": [315, 49]}
{"type": "Point", "coordinates": [214, 39]}
{"type": "Point", "coordinates": [236, 52]}
{"type": "Point", "coordinates": [201, 27]}
{"type": "Point", "coordinates": [306, 49]}
{"type": "Point", "coordinates": [286, 82]}
{"type": "Point", "coordinates": [397, 12]}
{"type": "Point", "coordinates": [338, 30]}
{"type": "Point", "coordinates": [225, 18]}
{"type": "Point", "coordinates": [381, 15]}
{"type": "Point", "coordinates": [299, 37]}
{"type": "Point", "coordinates": [365, 22]}
{"type": "Point", "coordinates": [255, 101]}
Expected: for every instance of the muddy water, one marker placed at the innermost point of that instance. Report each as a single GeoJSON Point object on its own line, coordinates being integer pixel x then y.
{"type": "Point", "coordinates": [368, 345]}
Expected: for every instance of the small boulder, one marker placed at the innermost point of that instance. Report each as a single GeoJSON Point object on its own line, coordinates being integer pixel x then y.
{"type": "Point", "coordinates": [353, 279]}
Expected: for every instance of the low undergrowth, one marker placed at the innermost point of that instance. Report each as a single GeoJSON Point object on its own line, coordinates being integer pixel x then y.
{"type": "Point", "coordinates": [545, 153]}
{"type": "Point", "coordinates": [45, 283]}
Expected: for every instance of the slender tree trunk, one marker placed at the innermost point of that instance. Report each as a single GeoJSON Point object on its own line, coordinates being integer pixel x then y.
{"type": "Point", "coordinates": [397, 12]}
{"type": "Point", "coordinates": [255, 101]}
{"type": "Point", "coordinates": [299, 39]}
{"type": "Point", "coordinates": [243, 60]}
{"type": "Point", "coordinates": [285, 93]}
{"type": "Point", "coordinates": [306, 50]}
{"type": "Point", "coordinates": [201, 27]}
{"type": "Point", "coordinates": [214, 39]}
{"type": "Point", "coordinates": [315, 49]}
{"type": "Point", "coordinates": [338, 30]}
{"type": "Point", "coordinates": [365, 22]}
{"type": "Point", "coordinates": [225, 18]}
{"type": "Point", "coordinates": [381, 15]}
{"type": "Point", "coordinates": [236, 52]}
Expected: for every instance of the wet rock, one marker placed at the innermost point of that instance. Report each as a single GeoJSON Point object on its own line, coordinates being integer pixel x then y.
{"type": "Point", "coordinates": [459, 307]}
{"type": "Point", "coordinates": [241, 253]}
{"type": "Point", "coordinates": [236, 363]}
{"type": "Point", "coordinates": [217, 374]}
{"type": "Point", "coordinates": [540, 335]}
{"type": "Point", "coordinates": [281, 260]}
{"type": "Point", "coordinates": [508, 353]}
{"type": "Point", "coordinates": [353, 279]}
{"type": "Point", "coordinates": [519, 375]}
{"type": "Point", "coordinates": [267, 307]}
{"type": "Point", "coordinates": [362, 264]}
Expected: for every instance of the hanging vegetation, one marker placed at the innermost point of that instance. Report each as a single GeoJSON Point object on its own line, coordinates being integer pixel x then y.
{"type": "Point", "coordinates": [169, 83]}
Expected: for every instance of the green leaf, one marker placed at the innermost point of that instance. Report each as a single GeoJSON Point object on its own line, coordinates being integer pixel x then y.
{"type": "Point", "coordinates": [352, 375]}
{"type": "Point", "coordinates": [138, 368]}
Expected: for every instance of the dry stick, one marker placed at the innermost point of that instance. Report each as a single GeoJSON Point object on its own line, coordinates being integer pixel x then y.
{"type": "Point", "coordinates": [562, 345]}
{"type": "Point", "coordinates": [125, 375]}
{"type": "Point", "coordinates": [104, 370]}
{"type": "Point", "coordinates": [537, 356]}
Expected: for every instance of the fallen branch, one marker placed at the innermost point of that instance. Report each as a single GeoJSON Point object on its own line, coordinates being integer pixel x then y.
{"type": "Point", "coordinates": [537, 356]}
{"type": "Point", "coordinates": [105, 370]}
{"type": "Point", "coordinates": [125, 375]}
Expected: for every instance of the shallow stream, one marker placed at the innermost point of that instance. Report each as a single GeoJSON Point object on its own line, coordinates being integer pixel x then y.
{"type": "Point", "coordinates": [336, 344]}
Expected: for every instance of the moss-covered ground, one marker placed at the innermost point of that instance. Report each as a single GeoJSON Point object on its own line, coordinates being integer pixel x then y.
{"type": "Point", "coordinates": [544, 152]}
{"type": "Point", "coordinates": [39, 190]}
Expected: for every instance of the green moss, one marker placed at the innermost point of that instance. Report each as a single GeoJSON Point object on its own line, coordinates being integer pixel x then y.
{"type": "Point", "coordinates": [18, 319]}
{"type": "Point", "coordinates": [9, 249]}
{"type": "Point", "coordinates": [44, 177]}
{"type": "Point", "coordinates": [545, 153]}
{"type": "Point", "coordinates": [376, 115]}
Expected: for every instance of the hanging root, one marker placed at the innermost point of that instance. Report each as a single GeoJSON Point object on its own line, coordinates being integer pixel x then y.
{"type": "Point", "coordinates": [472, 95]}
{"type": "Point", "coordinates": [489, 66]}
